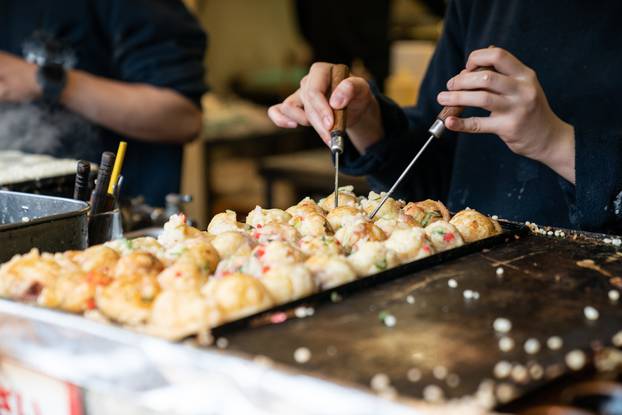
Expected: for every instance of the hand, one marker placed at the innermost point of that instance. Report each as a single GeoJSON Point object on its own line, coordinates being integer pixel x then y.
{"type": "Point", "coordinates": [309, 106]}
{"type": "Point", "coordinates": [519, 111]}
{"type": "Point", "coordinates": [18, 79]}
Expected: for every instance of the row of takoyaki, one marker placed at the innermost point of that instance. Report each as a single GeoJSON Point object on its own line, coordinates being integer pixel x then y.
{"type": "Point", "coordinates": [189, 280]}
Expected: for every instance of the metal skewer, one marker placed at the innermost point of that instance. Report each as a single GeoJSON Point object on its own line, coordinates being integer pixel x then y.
{"type": "Point", "coordinates": [337, 133]}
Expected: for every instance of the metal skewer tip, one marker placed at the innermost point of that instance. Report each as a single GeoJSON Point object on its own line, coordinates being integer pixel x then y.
{"type": "Point", "coordinates": [401, 178]}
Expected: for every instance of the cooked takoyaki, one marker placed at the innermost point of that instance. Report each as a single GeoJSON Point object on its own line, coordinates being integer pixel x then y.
{"type": "Point", "coordinates": [409, 244]}
{"type": "Point", "coordinates": [311, 225]}
{"type": "Point", "coordinates": [346, 198]}
{"type": "Point", "coordinates": [25, 276]}
{"type": "Point", "coordinates": [98, 260]}
{"type": "Point", "coordinates": [262, 217]}
{"type": "Point", "coordinates": [177, 231]}
{"type": "Point", "coordinates": [275, 232]}
{"type": "Point", "coordinates": [427, 211]}
{"type": "Point", "coordinates": [401, 221]}
{"type": "Point", "coordinates": [232, 243]}
{"type": "Point", "coordinates": [198, 251]}
{"type": "Point", "coordinates": [278, 252]}
{"type": "Point", "coordinates": [372, 257]}
{"type": "Point", "coordinates": [390, 210]}
{"type": "Point", "coordinates": [474, 226]}
{"type": "Point", "coordinates": [361, 230]}
{"type": "Point", "coordinates": [330, 270]}
{"type": "Point", "coordinates": [249, 265]}
{"type": "Point", "coordinates": [343, 215]}
{"type": "Point", "coordinates": [238, 295]}
{"type": "Point", "coordinates": [315, 245]}
{"type": "Point", "coordinates": [183, 275]}
{"type": "Point", "coordinates": [305, 207]}
{"type": "Point", "coordinates": [443, 236]}
{"type": "Point", "coordinates": [288, 282]}
{"type": "Point", "coordinates": [225, 222]}
{"type": "Point", "coordinates": [176, 314]}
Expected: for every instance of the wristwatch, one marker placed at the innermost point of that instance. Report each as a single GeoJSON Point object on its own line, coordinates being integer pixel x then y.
{"type": "Point", "coordinates": [52, 79]}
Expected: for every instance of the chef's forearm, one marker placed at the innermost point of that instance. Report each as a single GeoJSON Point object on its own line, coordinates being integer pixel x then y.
{"type": "Point", "coordinates": [136, 110]}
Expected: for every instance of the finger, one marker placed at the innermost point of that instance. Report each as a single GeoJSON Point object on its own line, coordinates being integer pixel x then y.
{"type": "Point", "coordinates": [314, 91]}
{"type": "Point", "coordinates": [471, 125]}
{"type": "Point", "coordinates": [280, 119]}
{"type": "Point", "coordinates": [292, 108]}
{"type": "Point", "coordinates": [478, 99]}
{"type": "Point", "coordinates": [502, 60]}
{"type": "Point", "coordinates": [347, 91]}
{"type": "Point", "coordinates": [487, 80]}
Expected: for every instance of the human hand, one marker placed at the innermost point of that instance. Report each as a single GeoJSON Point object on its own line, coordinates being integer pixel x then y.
{"type": "Point", "coordinates": [519, 111]}
{"type": "Point", "coordinates": [309, 106]}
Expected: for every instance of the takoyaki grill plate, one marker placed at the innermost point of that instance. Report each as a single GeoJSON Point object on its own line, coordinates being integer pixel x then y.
{"type": "Point", "coordinates": [277, 314]}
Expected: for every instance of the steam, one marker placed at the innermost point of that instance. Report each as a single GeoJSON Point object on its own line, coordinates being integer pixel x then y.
{"type": "Point", "coordinates": [35, 129]}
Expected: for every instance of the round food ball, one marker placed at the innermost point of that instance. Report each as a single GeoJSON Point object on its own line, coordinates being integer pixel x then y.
{"type": "Point", "coordinates": [346, 198]}
{"type": "Point", "coordinates": [473, 225]}
{"type": "Point", "coordinates": [238, 295]}
{"type": "Point", "coordinates": [372, 257]}
{"type": "Point", "coordinates": [259, 216]}
{"type": "Point", "coordinates": [231, 243]}
{"type": "Point", "coordinates": [330, 270]}
{"type": "Point", "coordinates": [224, 222]}
{"type": "Point", "coordinates": [409, 244]}
{"type": "Point", "coordinates": [314, 245]}
{"type": "Point", "coordinates": [288, 282]}
{"type": "Point", "coordinates": [443, 236]}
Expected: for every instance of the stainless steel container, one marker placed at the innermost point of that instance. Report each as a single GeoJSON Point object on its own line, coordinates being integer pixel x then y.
{"type": "Point", "coordinates": [51, 224]}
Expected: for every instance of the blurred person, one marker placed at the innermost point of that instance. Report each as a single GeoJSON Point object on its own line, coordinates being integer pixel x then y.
{"type": "Point", "coordinates": [77, 76]}
{"type": "Point", "coordinates": [541, 139]}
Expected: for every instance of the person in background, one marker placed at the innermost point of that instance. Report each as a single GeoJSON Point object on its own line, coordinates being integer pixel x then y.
{"type": "Point", "coordinates": [77, 76]}
{"type": "Point", "coordinates": [541, 140]}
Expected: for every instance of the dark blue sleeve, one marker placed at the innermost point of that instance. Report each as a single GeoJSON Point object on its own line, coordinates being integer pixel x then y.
{"type": "Point", "coordinates": [158, 42]}
{"type": "Point", "coordinates": [405, 129]}
{"type": "Point", "coordinates": [596, 200]}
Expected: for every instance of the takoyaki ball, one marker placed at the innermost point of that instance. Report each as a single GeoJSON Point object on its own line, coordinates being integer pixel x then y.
{"type": "Point", "coordinates": [288, 282]}
{"type": "Point", "coordinates": [402, 221]}
{"type": "Point", "coordinates": [278, 252]}
{"type": "Point", "coordinates": [473, 225]}
{"type": "Point", "coordinates": [144, 244]}
{"type": "Point", "coordinates": [433, 211]}
{"type": "Point", "coordinates": [262, 217]}
{"type": "Point", "coordinates": [390, 210]}
{"type": "Point", "coordinates": [238, 295]}
{"type": "Point", "coordinates": [371, 258]}
{"type": "Point", "coordinates": [73, 291]}
{"type": "Point", "coordinates": [275, 232]}
{"type": "Point", "coordinates": [236, 264]}
{"type": "Point", "coordinates": [177, 231]}
{"type": "Point", "coordinates": [346, 198]}
{"type": "Point", "coordinates": [443, 236]}
{"type": "Point", "coordinates": [409, 244]}
{"type": "Point", "coordinates": [305, 207]}
{"type": "Point", "coordinates": [98, 260]}
{"type": "Point", "coordinates": [25, 276]}
{"type": "Point", "coordinates": [311, 225]}
{"type": "Point", "coordinates": [128, 300]}
{"type": "Point", "coordinates": [182, 275]}
{"type": "Point", "coordinates": [201, 253]}
{"type": "Point", "coordinates": [330, 270]}
{"type": "Point", "coordinates": [177, 313]}
{"type": "Point", "coordinates": [343, 215]}
{"type": "Point", "coordinates": [136, 265]}
{"type": "Point", "coordinates": [362, 230]}
{"type": "Point", "coordinates": [316, 245]}
{"type": "Point", "coordinates": [415, 212]}
{"type": "Point", "coordinates": [232, 243]}
{"type": "Point", "coordinates": [225, 222]}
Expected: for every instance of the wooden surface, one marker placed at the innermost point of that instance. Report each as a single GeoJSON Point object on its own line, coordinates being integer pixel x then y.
{"type": "Point", "coordinates": [542, 292]}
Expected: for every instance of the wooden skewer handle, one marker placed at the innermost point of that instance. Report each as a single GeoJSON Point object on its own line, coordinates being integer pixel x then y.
{"type": "Point", "coordinates": [338, 74]}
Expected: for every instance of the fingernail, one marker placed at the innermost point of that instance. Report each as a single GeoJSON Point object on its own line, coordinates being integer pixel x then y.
{"type": "Point", "coordinates": [338, 99]}
{"type": "Point", "coordinates": [328, 122]}
{"type": "Point", "coordinates": [291, 124]}
{"type": "Point", "coordinates": [442, 97]}
{"type": "Point", "coordinates": [450, 83]}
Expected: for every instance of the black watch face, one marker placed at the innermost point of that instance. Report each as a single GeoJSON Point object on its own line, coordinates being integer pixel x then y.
{"type": "Point", "coordinates": [53, 73]}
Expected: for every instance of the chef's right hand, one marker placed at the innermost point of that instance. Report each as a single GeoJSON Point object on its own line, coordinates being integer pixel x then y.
{"type": "Point", "coordinates": [309, 106]}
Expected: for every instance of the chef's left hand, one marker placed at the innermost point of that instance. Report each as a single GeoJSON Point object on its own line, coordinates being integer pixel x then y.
{"type": "Point", "coordinates": [18, 79]}
{"type": "Point", "coordinates": [519, 111]}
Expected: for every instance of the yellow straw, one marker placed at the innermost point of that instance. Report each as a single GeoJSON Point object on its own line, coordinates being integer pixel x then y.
{"type": "Point", "coordinates": [118, 164]}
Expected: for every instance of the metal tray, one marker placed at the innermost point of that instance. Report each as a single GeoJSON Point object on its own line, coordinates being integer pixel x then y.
{"type": "Point", "coordinates": [511, 231]}
{"type": "Point", "coordinates": [51, 224]}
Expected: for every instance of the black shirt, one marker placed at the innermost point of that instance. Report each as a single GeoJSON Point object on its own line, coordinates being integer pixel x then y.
{"type": "Point", "coordinates": [575, 52]}
{"type": "Point", "coordinates": [157, 42]}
